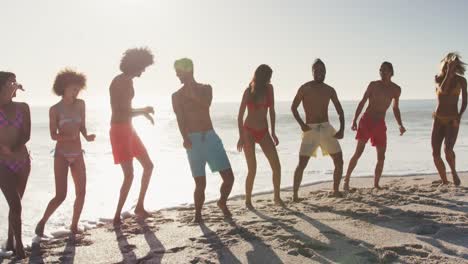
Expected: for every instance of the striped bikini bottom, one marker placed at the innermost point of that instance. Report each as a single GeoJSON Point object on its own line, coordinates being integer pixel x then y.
{"type": "Point", "coordinates": [69, 156]}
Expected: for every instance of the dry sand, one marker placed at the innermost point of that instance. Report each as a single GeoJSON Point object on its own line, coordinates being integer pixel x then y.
{"type": "Point", "coordinates": [412, 220]}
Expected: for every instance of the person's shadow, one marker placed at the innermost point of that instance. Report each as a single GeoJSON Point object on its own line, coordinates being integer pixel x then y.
{"type": "Point", "coordinates": [68, 255]}
{"type": "Point", "coordinates": [36, 253]}
{"type": "Point", "coordinates": [224, 254]}
{"type": "Point", "coordinates": [157, 249]}
{"type": "Point", "coordinates": [261, 252]}
{"type": "Point", "coordinates": [125, 248]}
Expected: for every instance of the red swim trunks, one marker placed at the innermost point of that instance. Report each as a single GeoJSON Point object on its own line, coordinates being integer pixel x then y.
{"type": "Point", "coordinates": [125, 143]}
{"type": "Point", "coordinates": [376, 130]}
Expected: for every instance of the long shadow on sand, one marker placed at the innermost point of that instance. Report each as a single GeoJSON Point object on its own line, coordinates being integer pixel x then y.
{"type": "Point", "coordinates": [224, 254]}
{"type": "Point", "coordinates": [36, 253]}
{"type": "Point", "coordinates": [317, 250]}
{"type": "Point", "coordinates": [157, 249]}
{"type": "Point", "coordinates": [434, 200]}
{"type": "Point", "coordinates": [355, 251]}
{"type": "Point", "coordinates": [125, 248]}
{"type": "Point", "coordinates": [297, 237]}
{"type": "Point", "coordinates": [68, 255]}
{"type": "Point", "coordinates": [420, 223]}
{"type": "Point", "coordinates": [261, 252]}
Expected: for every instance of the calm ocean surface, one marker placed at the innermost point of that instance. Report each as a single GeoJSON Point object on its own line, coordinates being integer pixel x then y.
{"type": "Point", "coordinates": [172, 182]}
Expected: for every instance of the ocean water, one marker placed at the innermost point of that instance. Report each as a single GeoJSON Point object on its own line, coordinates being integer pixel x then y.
{"type": "Point", "coordinates": [172, 183]}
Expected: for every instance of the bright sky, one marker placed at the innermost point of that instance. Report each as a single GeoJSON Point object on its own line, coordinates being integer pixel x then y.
{"type": "Point", "coordinates": [227, 40]}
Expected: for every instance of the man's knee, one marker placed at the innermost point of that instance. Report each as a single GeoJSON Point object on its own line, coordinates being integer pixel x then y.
{"type": "Point", "coordinates": [128, 175]}
{"type": "Point", "coordinates": [251, 171]}
{"type": "Point", "coordinates": [148, 166]}
{"type": "Point", "coordinates": [338, 161]}
{"type": "Point", "coordinates": [60, 197]}
{"type": "Point", "coordinates": [276, 168]}
{"type": "Point", "coordinates": [449, 153]}
{"type": "Point", "coordinates": [301, 165]}
{"type": "Point", "coordinates": [381, 158]}
{"type": "Point", "coordinates": [80, 193]}
{"type": "Point", "coordinates": [200, 185]}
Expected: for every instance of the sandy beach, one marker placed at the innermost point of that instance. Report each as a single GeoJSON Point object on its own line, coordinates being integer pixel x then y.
{"type": "Point", "coordinates": [412, 220]}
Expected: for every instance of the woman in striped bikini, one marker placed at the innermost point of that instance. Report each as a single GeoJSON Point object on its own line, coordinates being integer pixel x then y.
{"type": "Point", "coordinates": [450, 83]}
{"type": "Point", "coordinates": [66, 121]}
{"type": "Point", "coordinates": [15, 165]}
{"type": "Point", "coordinates": [258, 98]}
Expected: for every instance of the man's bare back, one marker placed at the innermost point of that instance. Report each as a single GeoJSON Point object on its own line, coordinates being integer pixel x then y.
{"type": "Point", "coordinates": [121, 95]}
{"type": "Point", "coordinates": [193, 103]}
{"type": "Point", "coordinates": [315, 100]}
{"type": "Point", "coordinates": [380, 97]}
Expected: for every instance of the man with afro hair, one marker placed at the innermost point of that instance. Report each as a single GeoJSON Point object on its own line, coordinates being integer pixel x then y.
{"type": "Point", "coordinates": [125, 142]}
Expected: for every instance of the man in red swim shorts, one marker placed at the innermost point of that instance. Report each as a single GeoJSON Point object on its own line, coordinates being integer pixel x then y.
{"type": "Point", "coordinates": [372, 126]}
{"type": "Point", "coordinates": [126, 144]}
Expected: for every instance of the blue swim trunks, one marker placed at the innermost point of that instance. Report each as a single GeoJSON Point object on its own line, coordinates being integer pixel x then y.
{"type": "Point", "coordinates": [207, 147]}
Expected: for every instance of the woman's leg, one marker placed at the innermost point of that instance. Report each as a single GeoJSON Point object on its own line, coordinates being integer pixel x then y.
{"type": "Point", "coordinates": [21, 180]}
{"type": "Point", "coordinates": [249, 152]}
{"type": "Point", "coordinates": [269, 148]}
{"type": "Point", "coordinates": [451, 134]}
{"type": "Point", "coordinates": [61, 173]}
{"type": "Point", "coordinates": [8, 186]}
{"type": "Point", "coordinates": [438, 134]}
{"type": "Point", "coordinates": [78, 171]}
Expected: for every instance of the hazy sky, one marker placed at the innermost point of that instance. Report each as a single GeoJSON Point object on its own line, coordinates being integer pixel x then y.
{"type": "Point", "coordinates": [227, 40]}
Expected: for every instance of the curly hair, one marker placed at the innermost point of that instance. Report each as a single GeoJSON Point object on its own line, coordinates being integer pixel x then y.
{"type": "Point", "coordinates": [460, 66]}
{"type": "Point", "coordinates": [136, 59]}
{"type": "Point", "coordinates": [4, 76]}
{"type": "Point", "coordinates": [68, 77]}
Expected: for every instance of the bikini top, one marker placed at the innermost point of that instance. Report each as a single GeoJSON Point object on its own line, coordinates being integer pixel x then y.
{"type": "Point", "coordinates": [454, 92]}
{"type": "Point", "coordinates": [76, 119]}
{"type": "Point", "coordinates": [17, 122]}
{"type": "Point", "coordinates": [267, 102]}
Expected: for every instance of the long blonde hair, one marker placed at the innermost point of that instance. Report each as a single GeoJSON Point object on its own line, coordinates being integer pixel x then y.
{"type": "Point", "coordinates": [460, 66]}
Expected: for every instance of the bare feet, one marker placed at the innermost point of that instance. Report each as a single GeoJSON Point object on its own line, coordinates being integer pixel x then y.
{"type": "Point", "coordinates": [9, 244]}
{"type": "Point", "coordinates": [279, 202]}
{"type": "Point", "coordinates": [75, 230]}
{"type": "Point", "coordinates": [40, 229]}
{"type": "Point", "coordinates": [336, 194]}
{"type": "Point", "coordinates": [117, 222]}
{"type": "Point", "coordinates": [224, 209]}
{"type": "Point", "coordinates": [142, 213]}
{"type": "Point", "coordinates": [198, 219]}
{"type": "Point", "coordinates": [346, 187]}
{"type": "Point", "coordinates": [377, 187]}
{"type": "Point", "coordinates": [296, 199]}
{"type": "Point", "coordinates": [456, 180]}
{"type": "Point", "coordinates": [249, 205]}
{"type": "Point", "coordinates": [20, 254]}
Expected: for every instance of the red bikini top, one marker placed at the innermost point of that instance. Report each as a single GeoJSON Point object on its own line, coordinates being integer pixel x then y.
{"type": "Point", "coordinates": [267, 102]}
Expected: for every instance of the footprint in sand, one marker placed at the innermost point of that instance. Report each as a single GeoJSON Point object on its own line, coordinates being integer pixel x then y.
{"type": "Point", "coordinates": [415, 250]}
{"type": "Point", "coordinates": [428, 229]}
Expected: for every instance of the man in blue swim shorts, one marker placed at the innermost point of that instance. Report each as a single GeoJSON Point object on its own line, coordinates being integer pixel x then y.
{"type": "Point", "coordinates": [191, 104]}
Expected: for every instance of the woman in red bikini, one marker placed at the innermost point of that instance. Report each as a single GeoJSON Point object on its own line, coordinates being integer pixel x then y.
{"type": "Point", "coordinates": [258, 98]}
{"type": "Point", "coordinates": [450, 83]}
{"type": "Point", "coordinates": [15, 165]}
{"type": "Point", "coordinates": [66, 121]}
